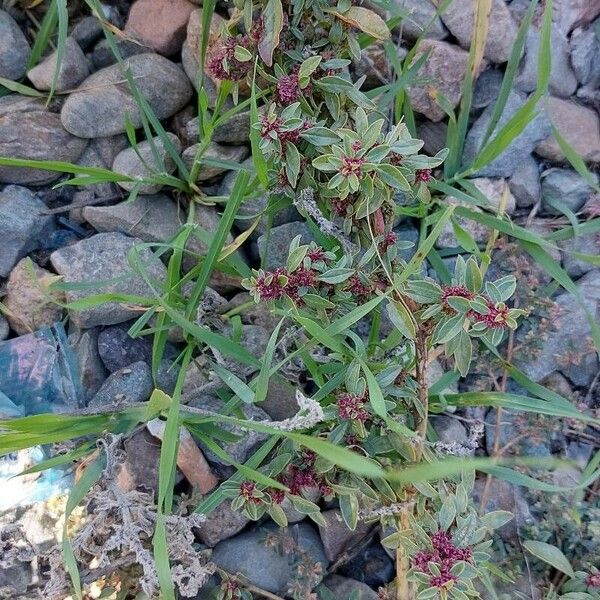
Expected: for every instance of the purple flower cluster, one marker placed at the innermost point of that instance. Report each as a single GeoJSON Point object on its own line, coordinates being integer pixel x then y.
{"type": "Point", "coordinates": [351, 407]}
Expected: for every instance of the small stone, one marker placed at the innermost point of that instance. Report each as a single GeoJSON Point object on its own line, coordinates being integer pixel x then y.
{"type": "Point", "coordinates": [141, 163]}
{"type": "Point", "coordinates": [280, 402]}
{"type": "Point", "coordinates": [263, 564]}
{"type": "Point", "coordinates": [118, 350]}
{"type": "Point", "coordinates": [4, 328]}
{"type": "Point", "coordinates": [564, 188]}
{"type": "Point", "coordinates": [128, 385]}
{"type": "Point", "coordinates": [371, 566]}
{"type": "Point", "coordinates": [235, 154]}
{"type": "Point", "coordinates": [524, 183]}
{"type": "Point", "coordinates": [103, 55]}
{"type": "Point", "coordinates": [22, 224]}
{"type": "Point", "coordinates": [142, 460]}
{"type": "Point", "coordinates": [585, 55]}
{"type": "Point", "coordinates": [450, 430]}
{"type": "Point", "coordinates": [433, 135]}
{"type": "Point", "coordinates": [336, 536]}
{"type": "Point", "coordinates": [15, 103]}
{"type": "Point", "coordinates": [102, 258]}
{"type": "Point", "coordinates": [419, 14]}
{"type": "Point", "coordinates": [92, 371]}
{"type": "Point", "coordinates": [274, 248]}
{"type": "Point", "coordinates": [101, 107]}
{"type": "Point", "coordinates": [235, 130]}
{"type": "Point", "coordinates": [487, 88]}
{"type": "Point", "coordinates": [159, 25]}
{"type": "Point", "coordinates": [344, 587]}
{"type": "Point", "coordinates": [254, 339]}
{"type": "Point", "coordinates": [86, 32]}
{"type": "Point", "coordinates": [36, 135]}
{"type": "Point", "coordinates": [444, 70]}
{"type": "Point", "coordinates": [507, 162]}
{"type": "Point", "coordinates": [568, 14]}
{"type": "Point", "coordinates": [562, 79]}
{"type": "Point", "coordinates": [407, 233]}
{"type": "Point", "coordinates": [14, 49]}
{"type": "Point", "coordinates": [502, 30]}
{"type": "Point", "coordinates": [584, 244]}
{"type": "Point", "coordinates": [221, 524]}
{"type": "Point", "coordinates": [493, 190]}
{"type": "Point", "coordinates": [374, 65]}
{"type": "Point", "coordinates": [577, 124]}
{"type": "Point", "coordinates": [29, 302]}
{"type": "Point", "coordinates": [73, 69]}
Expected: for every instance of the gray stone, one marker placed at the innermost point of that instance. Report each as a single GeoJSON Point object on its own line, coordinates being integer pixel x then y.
{"type": "Point", "coordinates": [103, 55]}
{"type": "Point", "coordinates": [537, 443]}
{"type": "Point", "coordinates": [100, 108]}
{"type": "Point", "coordinates": [215, 151]}
{"type": "Point", "coordinates": [505, 164]}
{"type": "Point", "coordinates": [22, 224]}
{"type": "Point", "coordinates": [344, 587]}
{"type": "Point", "coordinates": [450, 430]}
{"type": "Point", "coordinates": [585, 55]}
{"type": "Point", "coordinates": [568, 14]}
{"type": "Point", "coordinates": [336, 536]}
{"type": "Point", "coordinates": [371, 566]}
{"type": "Point", "coordinates": [444, 70]}
{"type": "Point", "coordinates": [577, 124]}
{"type": "Point", "coordinates": [36, 136]}
{"type": "Point", "coordinates": [502, 30]}
{"type": "Point", "coordinates": [142, 460]}
{"type": "Point", "coordinates": [118, 350]}
{"type": "Point", "coordinates": [407, 233]}
{"type": "Point", "coordinates": [240, 449]}
{"type": "Point", "coordinates": [280, 402]}
{"type": "Point", "coordinates": [235, 130]}
{"type": "Point", "coordinates": [91, 368]}
{"type": "Point", "coordinates": [580, 453]}
{"type": "Point", "coordinates": [15, 103]}
{"type": "Point", "coordinates": [86, 32]}
{"type": "Point", "coordinates": [563, 188]}
{"type": "Point", "coordinates": [568, 349]}
{"type": "Point", "coordinates": [221, 524]}
{"type": "Point", "coordinates": [433, 135]}
{"type": "Point", "coordinates": [274, 248]}
{"type": "Point", "coordinates": [73, 69]}
{"type": "Point", "coordinates": [254, 339]}
{"type": "Point", "coordinates": [584, 244]}
{"type": "Point", "coordinates": [524, 183]}
{"type": "Point", "coordinates": [130, 384]}
{"type": "Point", "coordinates": [419, 13]}
{"type": "Point", "coordinates": [14, 48]}
{"type": "Point", "coordinates": [487, 88]}
{"type": "Point", "coordinates": [102, 259]}
{"type": "Point", "coordinates": [141, 163]}
{"type": "Point", "coordinates": [264, 564]}
{"type": "Point", "coordinates": [562, 78]}
{"type": "Point", "coordinates": [4, 328]}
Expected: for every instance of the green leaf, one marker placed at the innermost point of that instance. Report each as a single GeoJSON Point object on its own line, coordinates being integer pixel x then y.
{"type": "Point", "coordinates": [551, 555]}
{"type": "Point", "coordinates": [401, 318]}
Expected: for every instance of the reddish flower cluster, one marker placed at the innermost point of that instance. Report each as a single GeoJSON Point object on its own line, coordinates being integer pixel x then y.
{"type": "Point", "coordinates": [292, 135]}
{"type": "Point", "coordinates": [444, 554]}
{"type": "Point", "coordinates": [593, 580]}
{"type": "Point", "coordinates": [351, 165]}
{"type": "Point", "coordinates": [247, 489]}
{"type": "Point", "coordinates": [277, 495]}
{"type": "Point", "coordinates": [316, 254]}
{"type": "Point", "coordinates": [389, 239]}
{"type": "Point", "coordinates": [340, 206]}
{"type": "Point", "coordinates": [351, 407]}
{"type": "Point", "coordinates": [357, 288]}
{"type": "Point", "coordinates": [495, 318]}
{"type": "Point", "coordinates": [222, 63]}
{"type": "Point", "coordinates": [423, 176]}
{"type": "Point", "coordinates": [270, 285]}
{"type": "Point", "coordinates": [287, 89]}
{"type": "Point", "coordinates": [275, 284]}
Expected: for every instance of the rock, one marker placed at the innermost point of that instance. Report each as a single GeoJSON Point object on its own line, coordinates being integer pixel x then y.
{"type": "Point", "coordinates": [524, 183]}
{"type": "Point", "coordinates": [577, 124]}
{"type": "Point", "coordinates": [4, 328]}
{"type": "Point", "coordinates": [444, 70]}
{"type": "Point", "coordinates": [264, 565]}
{"type": "Point", "coordinates": [254, 339]}
{"type": "Point", "coordinates": [240, 449]}
{"type": "Point", "coordinates": [493, 190]}
{"type": "Point", "coordinates": [128, 385]}
{"type": "Point", "coordinates": [584, 244]}
{"type": "Point", "coordinates": [221, 524]}
{"type": "Point", "coordinates": [433, 136]}
{"type": "Point", "coordinates": [580, 453]}
{"type": "Point", "coordinates": [280, 402]}
{"type": "Point", "coordinates": [73, 69]}
{"type": "Point", "coordinates": [568, 14]}
{"type": "Point", "coordinates": [235, 154]}
{"type": "Point", "coordinates": [274, 249]}
{"type": "Point", "coordinates": [86, 32]}
{"type": "Point", "coordinates": [450, 430]}
{"type": "Point", "coordinates": [562, 79]}
{"type": "Point", "coordinates": [36, 135]}
{"type": "Point", "coordinates": [506, 163]}
{"type": "Point", "coordinates": [374, 65]}
{"type": "Point", "coordinates": [29, 303]}
{"type": "Point", "coordinates": [235, 130]}
{"type": "Point", "coordinates": [419, 13]}
{"type": "Point", "coordinates": [118, 350]}
{"type": "Point", "coordinates": [585, 55]}
{"type": "Point", "coordinates": [502, 30]}
{"type": "Point", "coordinates": [407, 233]}
{"type": "Point", "coordinates": [564, 188]}
{"type": "Point", "coordinates": [336, 536]}
{"type": "Point", "coordinates": [568, 349]}
{"type": "Point", "coordinates": [92, 371]}
{"type": "Point", "coordinates": [159, 25]}
{"type": "Point", "coordinates": [103, 55]}
{"type": "Point", "coordinates": [142, 460]}
{"type": "Point", "coordinates": [487, 88]}
{"type": "Point", "coordinates": [141, 163]}
{"type": "Point", "coordinates": [103, 258]}
{"type": "Point", "coordinates": [371, 566]}
{"type": "Point", "coordinates": [344, 587]}
{"type": "Point", "coordinates": [99, 110]}
{"type": "Point", "coordinates": [15, 103]}
{"type": "Point", "coordinates": [22, 224]}
{"type": "Point", "coordinates": [14, 48]}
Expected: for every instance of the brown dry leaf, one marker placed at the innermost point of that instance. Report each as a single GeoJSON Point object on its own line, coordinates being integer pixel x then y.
{"type": "Point", "coordinates": [366, 20]}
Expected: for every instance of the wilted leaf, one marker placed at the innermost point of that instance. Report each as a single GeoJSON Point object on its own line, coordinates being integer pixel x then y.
{"type": "Point", "coordinates": [273, 24]}
{"type": "Point", "coordinates": [366, 20]}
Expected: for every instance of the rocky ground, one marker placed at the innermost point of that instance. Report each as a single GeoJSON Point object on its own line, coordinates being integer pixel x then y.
{"type": "Point", "coordinates": [84, 234]}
